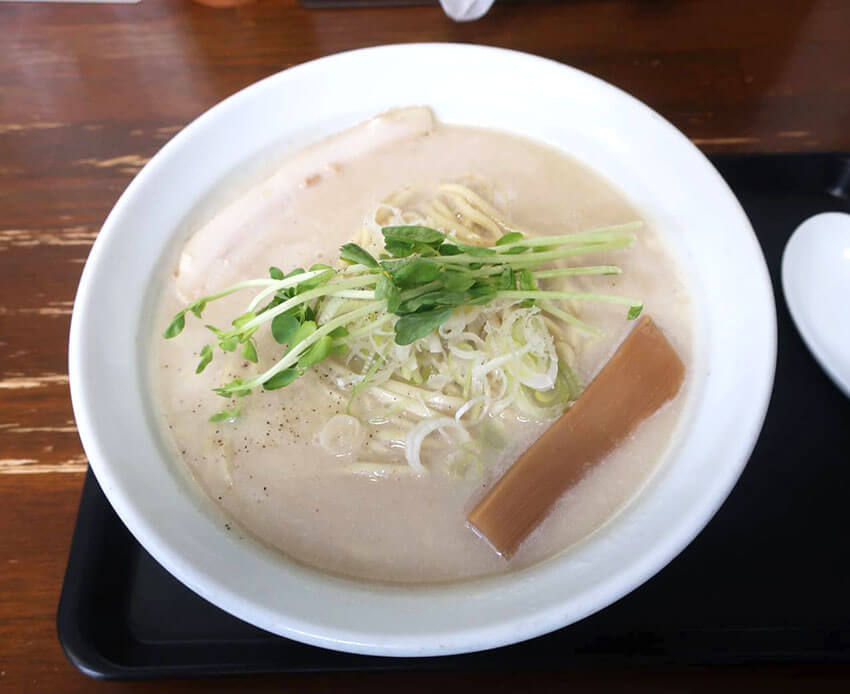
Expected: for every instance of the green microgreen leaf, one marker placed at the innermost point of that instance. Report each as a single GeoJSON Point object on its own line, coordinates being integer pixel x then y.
{"type": "Point", "coordinates": [527, 283]}
{"type": "Point", "coordinates": [476, 251]}
{"type": "Point", "coordinates": [352, 253]}
{"type": "Point", "coordinates": [283, 328]}
{"type": "Point", "coordinates": [339, 332]}
{"type": "Point", "coordinates": [275, 301]}
{"type": "Point", "coordinates": [244, 318]}
{"type": "Point", "coordinates": [457, 281]}
{"type": "Point", "coordinates": [425, 251]}
{"type": "Point", "coordinates": [436, 298]}
{"type": "Point", "coordinates": [304, 331]}
{"type": "Point", "coordinates": [526, 280]}
{"type": "Point", "coordinates": [317, 352]}
{"type": "Point", "coordinates": [246, 335]}
{"type": "Point", "coordinates": [415, 272]}
{"type": "Point", "coordinates": [634, 311]}
{"type": "Point", "coordinates": [175, 327]}
{"type": "Point", "coordinates": [229, 343]}
{"type": "Point", "coordinates": [275, 273]}
{"type": "Point", "coordinates": [413, 234]}
{"type": "Point", "coordinates": [281, 379]}
{"type": "Point", "coordinates": [289, 292]}
{"type": "Point", "coordinates": [227, 415]}
{"type": "Point", "coordinates": [249, 352]}
{"type": "Point", "coordinates": [414, 326]}
{"type": "Point", "coordinates": [236, 388]}
{"type": "Point", "coordinates": [515, 250]}
{"type": "Point", "coordinates": [449, 249]}
{"type": "Point", "coordinates": [206, 357]}
{"type": "Point", "coordinates": [397, 249]}
{"type": "Point", "coordinates": [385, 289]}
{"type": "Point", "coordinates": [481, 294]}
{"type": "Point", "coordinates": [507, 280]}
{"type": "Point", "coordinates": [317, 281]}
{"type": "Point", "coordinates": [198, 307]}
{"type": "Point", "coordinates": [510, 237]}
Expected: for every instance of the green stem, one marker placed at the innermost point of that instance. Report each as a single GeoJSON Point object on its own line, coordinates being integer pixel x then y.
{"type": "Point", "coordinates": [237, 287]}
{"type": "Point", "coordinates": [354, 294]}
{"type": "Point", "coordinates": [531, 260]}
{"type": "Point", "coordinates": [566, 296]}
{"type": "Point", "coordinates": [299, 299]}
{"type": "Point", "coordinates": [372, 326]}
{"type": "Point", "coordinates": [600, 234]}
{"type": "Point", "coordinates": [422, 289]}
{"type": "Point", "coordinates": [534, 259]}
{"type": "Point", "coordinates": [569, 318]}
{"type": "Point", "coordinates": [292, 356]}
{"type": "Point", "coordinates": [582, 270]}
{"type": "Point", "coordinates": [277, 285]}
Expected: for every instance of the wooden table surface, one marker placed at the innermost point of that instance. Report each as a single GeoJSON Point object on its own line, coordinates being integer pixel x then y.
{"type": "Point", "coordinates": [88, 93]}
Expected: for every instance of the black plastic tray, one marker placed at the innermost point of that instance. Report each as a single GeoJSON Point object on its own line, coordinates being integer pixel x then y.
{"type": "Point", "coordinates": [766, 581]}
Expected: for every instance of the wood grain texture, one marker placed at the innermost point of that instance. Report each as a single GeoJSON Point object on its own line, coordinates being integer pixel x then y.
{"type": "Point", "coordinates": [88, 93]}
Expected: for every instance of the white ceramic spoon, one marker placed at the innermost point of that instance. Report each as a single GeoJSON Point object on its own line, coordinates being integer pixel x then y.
{"type": "Point", "coordinates": [466, 10]}
{"type": "Point", "coordinates": [816, 282]}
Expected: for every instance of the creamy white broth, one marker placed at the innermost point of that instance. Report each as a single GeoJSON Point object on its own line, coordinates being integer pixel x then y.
{"type": "Point", "coordinates": [267, 470]}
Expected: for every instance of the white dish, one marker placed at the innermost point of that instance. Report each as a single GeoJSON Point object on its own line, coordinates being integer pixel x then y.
{"type": "Point", "coordinates": [636, 149]}
{"type": "Point", "coordinates": [816, 282]}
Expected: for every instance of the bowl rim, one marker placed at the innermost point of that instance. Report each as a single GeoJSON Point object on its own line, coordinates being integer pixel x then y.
{"type": "Point", "coordinates": [548, 617]}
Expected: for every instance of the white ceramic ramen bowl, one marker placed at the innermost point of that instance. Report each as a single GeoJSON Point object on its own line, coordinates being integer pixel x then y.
{"type": "Point", "coordinates": [636, 149]}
